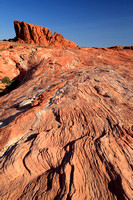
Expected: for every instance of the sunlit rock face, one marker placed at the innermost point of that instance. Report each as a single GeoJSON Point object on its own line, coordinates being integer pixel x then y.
{"type": "Point", "coordinates": [66, 129]}
{"type": "Point", "coordinates": [33, 34]}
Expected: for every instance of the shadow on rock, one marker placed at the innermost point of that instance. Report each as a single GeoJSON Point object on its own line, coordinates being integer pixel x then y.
{"type": "Point", "coordinates": [115, 187]}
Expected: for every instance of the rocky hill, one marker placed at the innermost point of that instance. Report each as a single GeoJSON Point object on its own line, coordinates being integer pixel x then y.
{"type": "Point", "coordinates": [66, 127]}
{"type": "Point", "coordinates": [33, 34]}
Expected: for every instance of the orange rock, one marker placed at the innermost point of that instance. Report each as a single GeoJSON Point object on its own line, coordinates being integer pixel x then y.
{"type": "Point", "coordinates": [66, 130]}
{"type": "Point", "coordinates": [33, 34]}
{"type": "Point", "coordinates": [47, 32]}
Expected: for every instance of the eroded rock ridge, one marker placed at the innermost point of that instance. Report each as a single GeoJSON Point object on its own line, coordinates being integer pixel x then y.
{"type": "Point", "coordinates": [33, 34]}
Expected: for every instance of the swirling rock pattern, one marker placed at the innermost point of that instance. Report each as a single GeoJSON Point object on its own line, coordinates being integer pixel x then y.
{"type": "Point", "coordinates": [66, 130]}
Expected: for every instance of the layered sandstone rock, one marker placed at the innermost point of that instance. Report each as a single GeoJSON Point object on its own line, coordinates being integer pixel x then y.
{"type": "Point", "coordinates": [33, 34]}
{"type": "Point", "coordinates": [66, 130]}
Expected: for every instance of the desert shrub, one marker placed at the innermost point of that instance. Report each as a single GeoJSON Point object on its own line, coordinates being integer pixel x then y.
{"type": "Point", "coordinates": [6, 80]}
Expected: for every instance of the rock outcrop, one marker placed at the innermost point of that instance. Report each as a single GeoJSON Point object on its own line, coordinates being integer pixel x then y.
{"type": "Point", "coordinates": [33, 34]}
{"type": "Point", "coordinates": [66, 130]}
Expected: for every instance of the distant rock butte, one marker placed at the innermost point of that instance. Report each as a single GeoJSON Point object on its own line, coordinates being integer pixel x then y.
{"type": "Point", "coordinates": [66, 130]}
{"type": "Point", "coordinates": [33, 34]}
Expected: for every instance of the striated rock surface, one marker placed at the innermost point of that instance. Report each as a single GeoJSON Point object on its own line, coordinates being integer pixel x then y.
{"type": "Point", "coordinates": [33, 34]}
{"type": "Point", "coordinates": [66, 130]}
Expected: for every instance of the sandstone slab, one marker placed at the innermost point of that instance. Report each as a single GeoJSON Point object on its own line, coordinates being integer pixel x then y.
{"type": "Point", "coordinates": [66, 130]}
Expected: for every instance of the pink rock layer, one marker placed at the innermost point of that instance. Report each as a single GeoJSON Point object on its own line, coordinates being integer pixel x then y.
{"type": "Point", "coordinates": [66, 130]}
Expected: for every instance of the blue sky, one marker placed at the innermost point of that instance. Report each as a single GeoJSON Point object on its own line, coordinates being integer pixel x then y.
{"type": "Point", "coordinates": [94, 23]}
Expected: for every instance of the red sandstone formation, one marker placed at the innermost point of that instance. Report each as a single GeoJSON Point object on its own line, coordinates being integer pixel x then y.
{"type": "Point", "coordinates": [33, 34]}
{"type": "Point", "coordinates": [66, 130]}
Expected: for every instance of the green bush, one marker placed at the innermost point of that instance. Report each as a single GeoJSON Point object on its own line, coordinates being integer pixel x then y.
{"type": "Point", "coordinates": [6, 80]}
